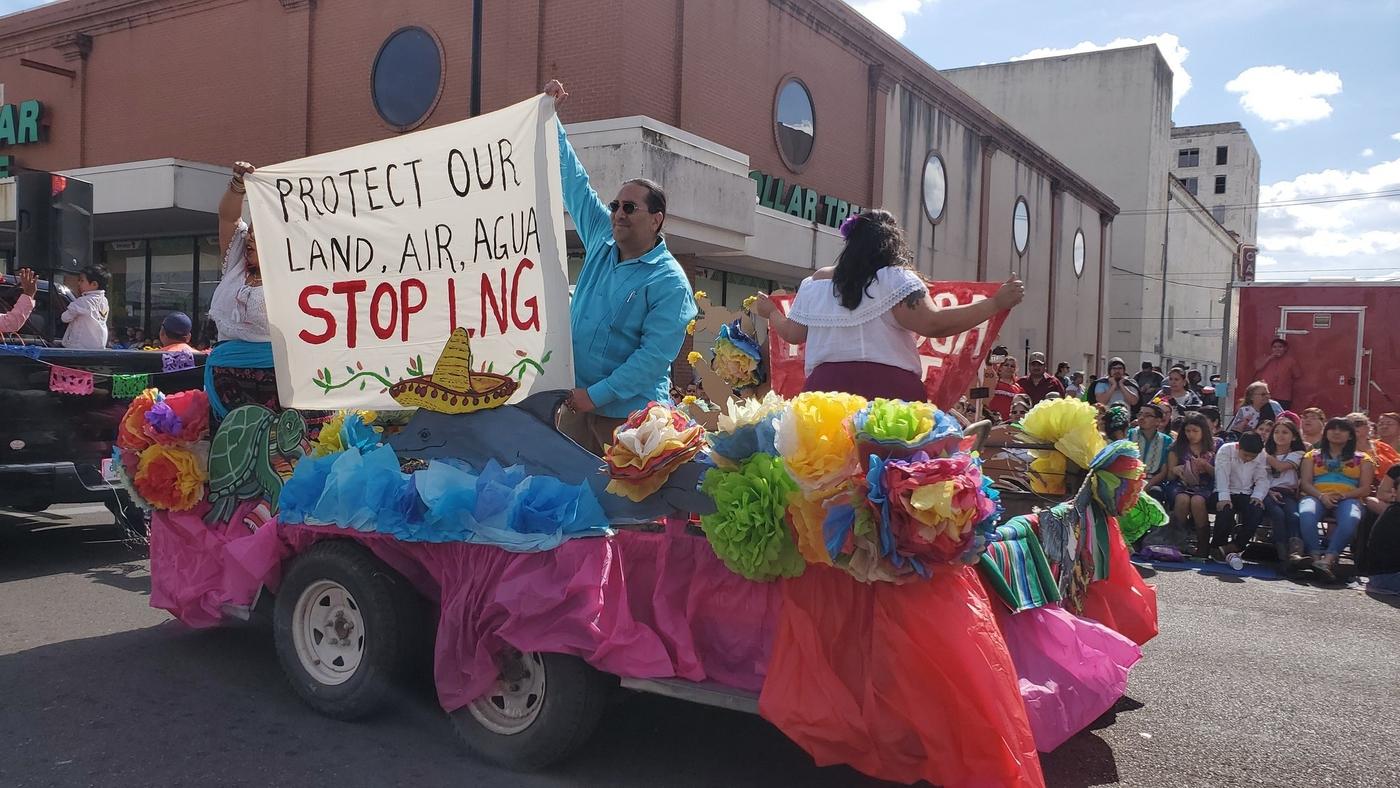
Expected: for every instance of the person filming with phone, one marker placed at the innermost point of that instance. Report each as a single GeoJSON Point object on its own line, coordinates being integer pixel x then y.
{"type": "Point", "coordinates": [1117, 388]}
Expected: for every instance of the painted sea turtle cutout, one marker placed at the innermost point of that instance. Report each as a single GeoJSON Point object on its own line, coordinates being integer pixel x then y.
{"type": "Point", "coordinates": [251, 442]}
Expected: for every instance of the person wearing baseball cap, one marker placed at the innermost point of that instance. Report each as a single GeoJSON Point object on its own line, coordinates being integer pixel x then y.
{"type": "Point", "coordinates": [1117, 388]}
{"type": "Point", "coordinates": [1037, 382]}
{"type": "Point", "coordinates": [176, 330]}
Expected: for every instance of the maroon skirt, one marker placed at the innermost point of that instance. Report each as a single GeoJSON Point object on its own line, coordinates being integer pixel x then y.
{"type": "Point", "coordinates": [867, 379]}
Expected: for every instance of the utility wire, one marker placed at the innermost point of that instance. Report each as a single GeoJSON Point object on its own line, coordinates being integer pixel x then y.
{"type": "Point", "coordinates": [1385, 194]}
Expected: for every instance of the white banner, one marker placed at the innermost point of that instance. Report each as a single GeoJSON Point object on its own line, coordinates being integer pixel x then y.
{"type": "Point", "coordinates": [371, 256]}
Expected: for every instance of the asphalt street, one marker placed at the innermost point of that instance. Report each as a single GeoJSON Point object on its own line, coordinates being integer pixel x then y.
{"type": "Point", "coordinates": [1253, 682]}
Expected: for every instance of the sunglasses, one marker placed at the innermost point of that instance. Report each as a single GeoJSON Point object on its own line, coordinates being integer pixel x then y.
{"type": "Point", "coordinates": [627, 207]}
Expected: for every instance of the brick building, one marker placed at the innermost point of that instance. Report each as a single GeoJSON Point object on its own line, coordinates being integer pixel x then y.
{"type": "Point", "coordinates": [766, 120]}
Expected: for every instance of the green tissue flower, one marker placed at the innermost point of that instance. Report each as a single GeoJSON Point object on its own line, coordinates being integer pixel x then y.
{"type": "Point", "coordinates": [898, 420]}
{"type": "Point", "coordinates": [749, 532]}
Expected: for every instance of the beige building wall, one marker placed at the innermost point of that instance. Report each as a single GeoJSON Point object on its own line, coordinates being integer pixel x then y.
{"type": "Point", "coordinates": [1238, 207]}
{"type": "Point", "coordinates": [948, 248]}
{"type": "Point", "coordinates": [1200, 261]}
{"type": "Point", "coordinates": [913, 129]}
{"type": "Point", "coordinates": [1107, 116]}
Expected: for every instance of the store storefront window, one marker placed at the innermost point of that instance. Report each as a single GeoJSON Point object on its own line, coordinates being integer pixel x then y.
{"type": "Point", "coordinates": [126, 291]}
{"type": "Point", "coordinates": [210, 271]}
{"type": "Point", "coordinates": [172, 280]}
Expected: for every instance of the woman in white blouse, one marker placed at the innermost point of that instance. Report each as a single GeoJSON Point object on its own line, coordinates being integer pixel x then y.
{"type": "Point", "coordinates": [239, 370]}
{"type": "Point", "coordinates": [862, 319]}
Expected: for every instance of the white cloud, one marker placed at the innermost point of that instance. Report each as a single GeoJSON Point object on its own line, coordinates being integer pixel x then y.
{"type": "Point", "coordinates": [1285, 97]}
{"type": "Point", "coordinates": [1396, 136]}
{"type": "Point", "coordinates": [1172, 51]}
{"type": "Point", "coordinates": [1367, 153]}
{"type": "Point", "coordinates": [1264, 261]}
{"type": "Point", "coordinates": [1347, 237]}
{"type": "Point", "coordinates": [892, 16]}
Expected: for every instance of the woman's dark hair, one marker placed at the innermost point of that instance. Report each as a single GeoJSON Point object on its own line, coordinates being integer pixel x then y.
{"type": "Point", "coordinates": [656, 197]}
{"type": "Point", "coordinates": [1325, 446]}
{"type": "Point", "coordinates": [1297, 445]}
{"type": "Point", "coordinates": [875, 241]}
{"type": "Point", "coordinates": [1182, 444]}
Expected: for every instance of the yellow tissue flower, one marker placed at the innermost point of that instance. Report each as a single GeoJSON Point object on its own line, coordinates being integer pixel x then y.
{"type": "Point", "coordinates": [815, 439]}
{"type": "Point", "coordinates": [699, 294]}
{"type": "Point", "coordinates": [690, 328]}
{"type": "Point", "coordinates": [694, 359]}
{"type": "Point", "coordinates": [1070, 424]}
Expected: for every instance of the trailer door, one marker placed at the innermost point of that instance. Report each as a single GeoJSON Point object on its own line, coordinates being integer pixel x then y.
{"type": "Point", "coordinates": [1326, 340]}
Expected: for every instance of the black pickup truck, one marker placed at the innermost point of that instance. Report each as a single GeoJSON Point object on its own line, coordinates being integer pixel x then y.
{"type": "Point", "coordinates": [56, 448]}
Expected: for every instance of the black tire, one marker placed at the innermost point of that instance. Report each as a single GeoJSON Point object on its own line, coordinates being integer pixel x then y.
{"type": "Point", "coordinates": [388, 608]}
{"type": "Point", "coordinates": [573, 701]}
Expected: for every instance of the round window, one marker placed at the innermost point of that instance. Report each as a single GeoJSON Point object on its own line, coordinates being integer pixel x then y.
{"type": "Point", "coordinates": [935, 186]}
{"type": "Point", "coordinates": [1078, 252]}
{"type": "Point", "coordinates": [794, 124]}
{"type": "Point", "coordinates": [1021, 225]}
{"type": "Point", "coordinates": [407, 77]}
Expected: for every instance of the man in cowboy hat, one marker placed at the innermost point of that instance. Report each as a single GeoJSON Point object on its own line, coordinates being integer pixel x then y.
{"type": "Point", "coordinates": [630, 307]}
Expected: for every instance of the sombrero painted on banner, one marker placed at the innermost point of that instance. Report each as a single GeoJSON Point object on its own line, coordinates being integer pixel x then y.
{"type": "Point", "coordinates": [453, 387]}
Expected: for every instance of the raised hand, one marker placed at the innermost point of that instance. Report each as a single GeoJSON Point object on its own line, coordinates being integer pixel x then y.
{"type": "Point", "coordinates": [1011, 293]}
{"type": "Point", "coordinates": [555, 90]}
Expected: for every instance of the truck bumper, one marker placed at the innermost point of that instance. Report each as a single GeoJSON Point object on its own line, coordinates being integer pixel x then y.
{"type": "Point", "coordinates": [43, 484]}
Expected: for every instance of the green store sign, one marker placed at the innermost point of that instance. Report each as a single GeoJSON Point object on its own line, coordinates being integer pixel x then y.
{"type": "Point", "coordinates": [19, 125]}
{"type": "Point", "coordinates": [800, 201]}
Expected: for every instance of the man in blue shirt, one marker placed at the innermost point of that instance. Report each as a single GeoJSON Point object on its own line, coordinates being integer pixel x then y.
{"type": "Point", "coordinates": [631, 304]}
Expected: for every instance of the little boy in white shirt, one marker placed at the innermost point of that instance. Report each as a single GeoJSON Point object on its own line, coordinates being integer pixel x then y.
{"type": "Point", "coordinates": [87, 315]}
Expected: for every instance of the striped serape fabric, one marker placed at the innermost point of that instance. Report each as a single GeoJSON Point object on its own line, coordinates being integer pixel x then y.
{"type": "Point", "coordinates": [1015, 567]}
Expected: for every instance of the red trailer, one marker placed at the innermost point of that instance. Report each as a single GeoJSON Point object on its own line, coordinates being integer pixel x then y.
{"type": "Point", "coordinates": [1343, 334]}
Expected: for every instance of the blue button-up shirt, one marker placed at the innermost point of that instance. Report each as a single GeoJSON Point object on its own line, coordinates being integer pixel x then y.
{"type": "Point", "coordinates": [628, 317]}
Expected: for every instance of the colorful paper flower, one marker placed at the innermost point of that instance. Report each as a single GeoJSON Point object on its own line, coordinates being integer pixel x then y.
{"type": "Point", "coordinates": [895, 428]}
{"type": "Point", "coordinates": [737, 357]}
{"type": "Point", "coordinates": [192, 408]}
{"type": "Point", "coordinates": [124, 465]}
{"type": "Point", "coordinates": [694, 359]}
{"type": "Point", "coordinates": [355, 433]}
{"type": "Point", "coordinates": [1070, 424]}
{"type": "Point", "coordinates": [699, 294]}
{"type": "Point", "coordinates": [170, 477]}
{"type": "Point", "coordinates": [748, 530]}
{"type": "Point", "coordinates": [814, 438]}
{"type": "Point", "coordinates": [347, 429]}
{"type": "Point", "coordinates": [648, 448]}
{"type": "Point", "coordinates": [749, 411]}
{"type": "Point", "coordinates": [690, 328]}
{"type": "Point", "coordinates": [162, 425]}
{"type": "Point", "coordinates": [131, 432]}
{"type": "Point", "coordinates": [929, 508]}
{"type": "Point", "coordinates": [808, 519]}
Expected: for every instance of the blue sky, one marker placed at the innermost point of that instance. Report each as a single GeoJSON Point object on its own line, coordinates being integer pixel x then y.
{"type": "Point", "coordinates": [1316, 85]}
{"type": "Point", "coordinates": [1319, 91]}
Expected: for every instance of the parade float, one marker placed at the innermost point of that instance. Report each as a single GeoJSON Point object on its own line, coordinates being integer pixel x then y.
{"type": "Point", "coordinates": [842, 567]}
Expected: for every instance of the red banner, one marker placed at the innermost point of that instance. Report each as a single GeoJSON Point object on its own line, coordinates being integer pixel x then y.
{"type": "Point", "coordinates": [951, 364]}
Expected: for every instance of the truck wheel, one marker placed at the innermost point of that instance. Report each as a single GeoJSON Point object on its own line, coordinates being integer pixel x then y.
{"type": "Point", "coordinates": [343, 628]}
{"type": "Point", "coordinates": [542, 709]}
